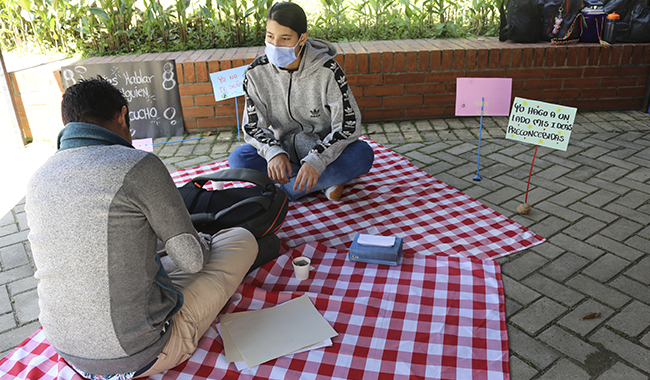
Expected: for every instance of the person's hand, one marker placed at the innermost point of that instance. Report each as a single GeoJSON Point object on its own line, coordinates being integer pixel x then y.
{"type": "Point", "coordinates": [307, 177]}
{"type": "Point", "coordinates": [279, 169]}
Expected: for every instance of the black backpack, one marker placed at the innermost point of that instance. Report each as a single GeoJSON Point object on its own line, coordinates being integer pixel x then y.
{"type": "Point", "coordinates": [522, 22]}
{"type": "Point", "coordinates": [634, 25]}
{"type": "Point", "coordinates": [562, 21]}
{"type": "Point", "coordinates": [261, 209]}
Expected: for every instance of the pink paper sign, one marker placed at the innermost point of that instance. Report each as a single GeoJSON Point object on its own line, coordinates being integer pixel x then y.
{"type": "Point", "coordinates": [143, 144]}
{"type": "Point", "coordinates": [493, 93]}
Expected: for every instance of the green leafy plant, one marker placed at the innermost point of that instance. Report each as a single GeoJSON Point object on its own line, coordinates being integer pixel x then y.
{"type": "Point", "coordinates": [111, 27]}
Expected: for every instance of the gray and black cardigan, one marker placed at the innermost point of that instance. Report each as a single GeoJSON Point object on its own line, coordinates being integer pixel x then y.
{"type": "Point", "coordinates": [95, 210]}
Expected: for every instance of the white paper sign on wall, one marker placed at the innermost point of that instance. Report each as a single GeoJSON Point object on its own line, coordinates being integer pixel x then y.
{"type": "Point", "coordinates": [228, 83]}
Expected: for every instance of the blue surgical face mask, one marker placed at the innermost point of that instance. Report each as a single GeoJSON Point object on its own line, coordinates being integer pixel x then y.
{"type": "Point", "coordinates": [281, 56]}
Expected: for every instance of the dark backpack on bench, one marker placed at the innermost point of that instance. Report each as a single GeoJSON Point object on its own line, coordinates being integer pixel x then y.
{"type": "Point", "coordinates": [562, 21]}
{"type": "Point", "coordinates": [521, 22]}
{"type": "Point", "coordinates": [261, 209]}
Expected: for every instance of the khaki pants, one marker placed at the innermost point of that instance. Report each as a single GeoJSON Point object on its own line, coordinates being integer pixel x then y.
{"type": "Point", "coordinates": [205, 293]}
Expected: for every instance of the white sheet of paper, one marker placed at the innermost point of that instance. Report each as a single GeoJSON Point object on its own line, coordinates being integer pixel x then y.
{"type": "Point", "coordinates": [228, 83]}
{"type": "Point", "coordinates": [241, 364]}
{"type": "Point", "coordinates": [540, 123]}
{"type": "Point", "coordinates": [376, 240]}
{"type": "Point", "coordinates": [232, 353]}
{"type": "Point", "coordinates": [266, 334]}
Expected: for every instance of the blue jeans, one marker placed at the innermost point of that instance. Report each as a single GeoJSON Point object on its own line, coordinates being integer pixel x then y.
{"type": "Point", "coordinates": [355, 160]}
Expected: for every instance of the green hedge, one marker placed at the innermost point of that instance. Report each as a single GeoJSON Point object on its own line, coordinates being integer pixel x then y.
{"type": "Point", "coordinates": [113, 27]}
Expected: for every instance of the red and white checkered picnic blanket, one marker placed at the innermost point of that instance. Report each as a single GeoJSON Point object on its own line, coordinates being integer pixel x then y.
{"type": "Point", "coordinates": [439, 315]}
{"type": "Point", "coordinates": [433, 317]}
{"type": "Point", "coordinates": [398, 199]}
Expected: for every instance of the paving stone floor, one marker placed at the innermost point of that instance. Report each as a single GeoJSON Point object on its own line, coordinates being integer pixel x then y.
{"type": "Point", "coordinates": [591, 203]}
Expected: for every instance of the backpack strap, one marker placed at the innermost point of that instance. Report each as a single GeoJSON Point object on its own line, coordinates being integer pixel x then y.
{"type": "Point", "coordinates": [241, 174]}
{"type": "Point", "coordinates": [565, 40]}
{"type": "Point", "coordinates": [599, 32]}
{"type": "Point", "coordinates": [207, 217]}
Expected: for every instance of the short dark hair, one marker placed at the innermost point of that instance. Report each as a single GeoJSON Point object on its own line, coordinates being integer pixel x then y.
{"type": "Point", "coordinates": [93, 100]}
{"type": "Point", "coordinates": [290, 15]}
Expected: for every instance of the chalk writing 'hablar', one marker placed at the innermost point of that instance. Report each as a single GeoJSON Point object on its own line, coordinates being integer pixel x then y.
{"type": "Point", "coordinates": [137, 78]}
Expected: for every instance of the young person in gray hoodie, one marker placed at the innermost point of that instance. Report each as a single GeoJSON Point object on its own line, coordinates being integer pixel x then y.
{"type": "Point", "coordinates": [98, 210]}
{"type": "Point", "coordinates": [302, 123]}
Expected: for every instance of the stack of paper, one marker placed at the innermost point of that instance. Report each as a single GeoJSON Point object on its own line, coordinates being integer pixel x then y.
{"type": "Point", "coordinates": [255, 337]}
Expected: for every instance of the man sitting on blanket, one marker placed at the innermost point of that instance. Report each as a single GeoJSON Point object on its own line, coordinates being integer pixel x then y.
{"type": "Point", "coordinates": [99, 211]}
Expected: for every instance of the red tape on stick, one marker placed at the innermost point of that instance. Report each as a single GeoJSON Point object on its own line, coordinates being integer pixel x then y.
{"type": "Point", "coordinates": [530, 175]}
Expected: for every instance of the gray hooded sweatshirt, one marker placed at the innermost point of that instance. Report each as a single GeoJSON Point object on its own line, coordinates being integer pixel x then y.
{"type": "Point", "coordinates": [95, 215]}
{"type": "Point", "coordinates": [309, 114]}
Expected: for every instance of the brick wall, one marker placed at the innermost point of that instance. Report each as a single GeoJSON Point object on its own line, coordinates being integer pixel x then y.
{"type": "Point", "coordinates": [416, 79]}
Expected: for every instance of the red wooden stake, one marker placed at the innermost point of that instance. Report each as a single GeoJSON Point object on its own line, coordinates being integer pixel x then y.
{"type": "Point", "coordinates": [529, 175]}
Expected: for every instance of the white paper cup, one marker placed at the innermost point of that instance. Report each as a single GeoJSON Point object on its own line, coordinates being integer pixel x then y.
{"type": "Point", "coordinates": [301, 267]}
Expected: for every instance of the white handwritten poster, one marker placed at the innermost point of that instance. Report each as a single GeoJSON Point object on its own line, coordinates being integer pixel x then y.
{"type": "Point", "coordinates": [150, 87]}
{"type": "Point", "coordinates": [540, 123]}
{"type": "Point", "coordinates": [228, 84]}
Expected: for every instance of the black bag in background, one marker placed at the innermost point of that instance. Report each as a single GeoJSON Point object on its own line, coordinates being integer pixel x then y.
{"type": "Point", "coordinates": [621, 7]}
{"type": "Point", "coordinates": [261, 209]}
{"type": "Point", "coordinates": [522, 22]}
{"type": "Point", "coordinates": [635, 24]}
{"type": "Point", "coordinates": [562, 20]}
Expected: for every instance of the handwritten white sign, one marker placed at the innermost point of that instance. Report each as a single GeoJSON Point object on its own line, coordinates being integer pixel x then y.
{"type": "Point", "coordinates": [228, 84]}
{"type": "Point", "coordinates": [540, 123]}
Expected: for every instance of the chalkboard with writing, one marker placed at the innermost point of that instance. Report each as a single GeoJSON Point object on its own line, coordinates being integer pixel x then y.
{"type": "Point", "coordinates": [151, 88]}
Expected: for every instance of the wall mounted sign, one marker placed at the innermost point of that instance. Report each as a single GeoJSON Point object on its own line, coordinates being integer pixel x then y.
{"type": "Point", "coordinates": [150, 87]}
